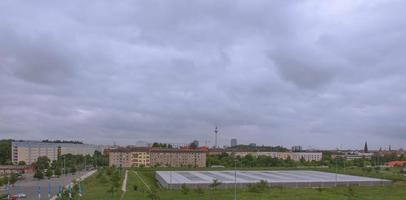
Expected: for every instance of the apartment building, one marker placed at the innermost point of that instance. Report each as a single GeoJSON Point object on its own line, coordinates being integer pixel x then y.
{"type": "Point", "coordinates": [296, 156]}
{"type": "Point", "coordinates": [147, 157]}
{"type": "Point", "coordinates": [130, 157]}
{"type": "Point", "coordinates": [29, 151]}
{"type": "Point", "coordinates": [178, 157]}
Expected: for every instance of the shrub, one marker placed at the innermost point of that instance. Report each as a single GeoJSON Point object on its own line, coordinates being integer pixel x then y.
{"type": "Point", "coordinates": [258, 187]}
{"type": "Point", "coordinates": [199, 191]}
{"type": "Point", "coordinates": [184, 189]}
{"type": "Point", "coordinates": [215, 184]}
{"type": "Point", "coordinates": [39, 175]}
{"type": "Point", "coordinates": [135, 187]}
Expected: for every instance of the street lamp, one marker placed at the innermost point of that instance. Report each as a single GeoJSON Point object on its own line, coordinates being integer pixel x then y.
{"type": "Point", "coordinates": [235, 178]}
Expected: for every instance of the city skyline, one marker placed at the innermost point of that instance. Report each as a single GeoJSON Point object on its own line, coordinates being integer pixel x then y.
{"type": "Point", "coordinates": [318, 74]}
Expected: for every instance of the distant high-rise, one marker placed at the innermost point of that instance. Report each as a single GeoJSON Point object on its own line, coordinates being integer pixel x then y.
{"type": "Point", "coordinates": [366, 147]}
{"type": "Point", "coordinates": [233, 142]}
{"type": "Point", "coordinates": [215, 141]}
{"type": "Point", "coordinates": [297, 148]}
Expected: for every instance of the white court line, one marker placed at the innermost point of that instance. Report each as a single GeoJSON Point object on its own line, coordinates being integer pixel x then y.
{"type": "Point", "coordinates": [143, 181]}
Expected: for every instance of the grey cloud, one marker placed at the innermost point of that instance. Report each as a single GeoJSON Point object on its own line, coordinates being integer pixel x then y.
{"type": "Point", "coordinates": [271, 72]}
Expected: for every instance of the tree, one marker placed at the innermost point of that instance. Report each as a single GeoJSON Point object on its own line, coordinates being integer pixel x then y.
{"type": "Point", "coordinates": [73, 170]}
{"type": "Point", "coordinates": [13, 178]}
{"type": "Point", "coordinates": [39, 175]}
{"type": "Point", "coordinates": [42, 163]}
{"type": "Point", "coordinates": [215, 184]}
{"type": "Point", "coordinates": [22, 163]}
{"type": "Point", "coordinates": [49, 173]}
{"type": "Point", "coordinates": [5, 152]}
{"type": "Point", "coordinates": [58, 171]}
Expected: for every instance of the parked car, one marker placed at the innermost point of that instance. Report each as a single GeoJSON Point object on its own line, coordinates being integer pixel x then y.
{"type": "Point", "coordinates": [20, 195]}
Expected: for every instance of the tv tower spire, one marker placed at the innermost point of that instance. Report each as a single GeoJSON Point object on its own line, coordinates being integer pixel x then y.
{"type": "Point", "coordinates": [216, 133]}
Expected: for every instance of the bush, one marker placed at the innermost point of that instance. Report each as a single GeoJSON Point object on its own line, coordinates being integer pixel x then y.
{"type": "Point", "coordinates": [135, 187]}
{"type": "Point", "coordinates": [58, 171]}
{"type": "Point", "coordinates": [13, 178]}
{"type": "Point", "coordinates": [184, 189]}
{"type": "Point", "coordinates": [215, 184]}
{"type": "Point", "coordinates": [49, 173]}
{"type": "Point", "coordinates": [199, 191]}
{"type": "Point", "coordinates": [258, 187]}
{"type": "Point", "coordinates": [39, 175]}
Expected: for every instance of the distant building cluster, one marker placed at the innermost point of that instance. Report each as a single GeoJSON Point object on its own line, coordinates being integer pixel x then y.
{"type": "Point", "coordinates": [29, 151]}
{"type": "Point", "coordinates": [153, 157]}
{"type": "Point", "coordinates": [296, 156]}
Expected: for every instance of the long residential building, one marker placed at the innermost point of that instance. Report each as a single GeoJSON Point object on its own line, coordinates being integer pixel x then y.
{"type": "Point", "coordinates": [296, 156]}
{"type": "Point", "coordinates": [29, 151]}
{"type": "Point", "coordinates": [147, 157]}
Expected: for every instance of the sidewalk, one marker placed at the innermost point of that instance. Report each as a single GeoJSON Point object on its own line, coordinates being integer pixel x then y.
{"type": "Point", "coordinates": [77, 180]}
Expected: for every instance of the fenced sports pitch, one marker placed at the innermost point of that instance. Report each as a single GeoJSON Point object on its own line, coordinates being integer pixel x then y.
{"type": "Point", "coordinates": [288, 178]}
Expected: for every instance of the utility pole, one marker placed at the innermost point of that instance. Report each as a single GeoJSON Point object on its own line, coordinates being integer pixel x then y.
{"type": "Point", "coordinates": [336, 171]}
{"type": "Point", "coordinates": [64, 166]}
{"type": "Point", "coordinates": [216, 133]}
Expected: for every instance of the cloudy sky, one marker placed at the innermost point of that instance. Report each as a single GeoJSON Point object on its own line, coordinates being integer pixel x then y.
{"type": "Point", "coordinates": [322, 74]}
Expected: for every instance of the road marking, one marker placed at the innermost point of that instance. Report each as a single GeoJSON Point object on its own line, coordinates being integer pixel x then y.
{"type": "Point", "coordinates": [143, 181]}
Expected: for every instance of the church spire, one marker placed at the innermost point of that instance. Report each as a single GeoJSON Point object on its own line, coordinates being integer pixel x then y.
{"type": "Point", "coordinates": [366, 147]}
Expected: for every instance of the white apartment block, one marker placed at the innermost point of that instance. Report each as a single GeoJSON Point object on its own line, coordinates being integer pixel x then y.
{"type": "Point", "coordinates": [296, 156]}
{"type": "Point", "coordinates": [29, 151]}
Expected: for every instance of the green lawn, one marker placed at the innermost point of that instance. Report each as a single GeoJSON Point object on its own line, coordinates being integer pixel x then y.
{"type": "Point", "coordinates": [94, 189]}
{"type": "Point", "coordinates": [97, 187]}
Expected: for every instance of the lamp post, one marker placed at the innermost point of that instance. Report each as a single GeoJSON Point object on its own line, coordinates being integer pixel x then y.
{"type": "Point", "coordinates": [336, 171]}
{"type": "Point", "coordinates": [235, 179]}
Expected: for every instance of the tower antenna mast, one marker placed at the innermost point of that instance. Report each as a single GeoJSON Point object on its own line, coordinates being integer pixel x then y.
{"type": "Point", "coordinates": [216, 134]}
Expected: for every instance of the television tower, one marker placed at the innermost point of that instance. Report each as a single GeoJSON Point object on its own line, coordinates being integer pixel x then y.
{"type": "Point", "coordinates": [216, 133]}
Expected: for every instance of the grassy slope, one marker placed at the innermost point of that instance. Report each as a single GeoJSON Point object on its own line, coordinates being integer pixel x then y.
{"type": "Point", "coordinates": [93, 189]}
{"type": "Point", "coordinates": [397, 191]}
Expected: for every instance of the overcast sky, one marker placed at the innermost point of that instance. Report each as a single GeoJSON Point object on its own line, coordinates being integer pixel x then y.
{"type": "Point", "coordinates": [322, 74]}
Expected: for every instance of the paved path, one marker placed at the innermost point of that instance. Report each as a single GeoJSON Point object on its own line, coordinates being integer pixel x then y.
{"type": "Point", "coordinates": [77, 180]}
{"type": "Point", "coordinates": [29, 186]}
{"type": "Point", "coordinates": [124, 185]}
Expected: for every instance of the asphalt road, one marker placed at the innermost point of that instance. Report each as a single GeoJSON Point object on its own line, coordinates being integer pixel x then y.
{"type": "Point", "coordinates": [29, 185]}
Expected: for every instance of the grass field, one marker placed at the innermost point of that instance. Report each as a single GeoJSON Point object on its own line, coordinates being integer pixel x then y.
{"type": "Point", "coordinates": [147, 188]}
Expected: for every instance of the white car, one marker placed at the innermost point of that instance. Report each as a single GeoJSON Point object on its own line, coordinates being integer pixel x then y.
{"type": "Point", "coordinates": [20, 195]}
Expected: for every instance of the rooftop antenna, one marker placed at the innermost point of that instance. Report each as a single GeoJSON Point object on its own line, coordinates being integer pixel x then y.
{"type": "Point", "coordinates": [216, 133]}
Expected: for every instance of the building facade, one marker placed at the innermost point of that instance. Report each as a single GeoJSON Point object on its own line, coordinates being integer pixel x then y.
{"type": "Point", "coordinates": [147, 157]}
{"type": "Point", "coordinates": [296, 156]}
{"type": "Point", "coordinates": [178, 157]}
{"type": "Point", "coordinates": [130, 157]}
{"type": "Point", "coordinates": [233, 142]}
{"type": "Point", "coordinates": [29, 151]}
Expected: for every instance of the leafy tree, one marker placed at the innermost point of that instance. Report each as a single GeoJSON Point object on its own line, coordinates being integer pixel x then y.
{"type": "Point", "coordinates": [215, 184]}
{"type": "Point", "coordinates": [42, 163]}
{"type": "Point", "coordinates": [22, 163]}
{"type": "Point", "coordinates": [39, 175]}
{"type": "Point", "coordinates": [58, 171]}
{"type": "Point", "coordinates": [73, 170]}
{"type": "Point", "coordinates": [5, 152]}
{"type": "Point", "coordinates": [49, 173]}
{"type": "Point", "coordinates": [13, 178]}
